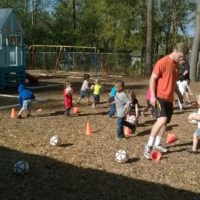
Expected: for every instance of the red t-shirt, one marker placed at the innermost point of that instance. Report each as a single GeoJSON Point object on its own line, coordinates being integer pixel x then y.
{"type": "Point", "coordinates": [67, 99]}
{"type": "Point", "coordinates": [167, 71]}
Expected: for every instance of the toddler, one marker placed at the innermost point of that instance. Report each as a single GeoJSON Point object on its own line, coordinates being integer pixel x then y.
{"type": "Point", "coordinates": [96, 93]}
{"type": "Point", "coordinates": [25, 100]}
{"type": "Point", "coordinates": [111, 101]}
{"type": "Point", "coordinates": [196, 134]}
{"type": "Point", "coordinates": [84, 88]}
{"type": "Point", "coordinates": [122, 103]}
{"type": "Point", "coordinates": [133, 112]}
{"type": "Point", "coordinates": [184, 89]}
{"type": "Point", "coordinates": [68, 98]}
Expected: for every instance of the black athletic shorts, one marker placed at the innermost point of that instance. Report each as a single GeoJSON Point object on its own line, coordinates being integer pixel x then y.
{"type": "Point", "coordinates": [163, 109]}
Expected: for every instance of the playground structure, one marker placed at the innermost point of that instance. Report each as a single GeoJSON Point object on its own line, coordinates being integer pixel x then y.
{"type": "Point", "coordinates": [12, 69]}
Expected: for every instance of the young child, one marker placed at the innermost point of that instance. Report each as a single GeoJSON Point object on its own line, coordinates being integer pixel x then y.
{"type": "Point", "coordinates": [68, 99]}
{"type": "Point", "coordinates": [84, 88]}
{"type": "Point", "coordinates": [196, 134]}
{"type": "Point", "coordinates": [111, 101]}
{"type": "Point", "coordinates": [184, 89]}
{"type": "Point", "coordinates": [122, 103]}
{"type": "Point", "coordinates": [96, 93]}
{"type": "Point", "coordinates": [25, 99]}
{"type": "Point", "coordinates": [148, 106]}
{"type": "Point", "coordinates": [131, 119]}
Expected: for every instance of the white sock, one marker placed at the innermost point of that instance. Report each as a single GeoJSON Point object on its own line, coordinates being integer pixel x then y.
{"type": "Point", "coordinates": [151, 141]}
{"type": "Point", "coordinates": [158, 140]}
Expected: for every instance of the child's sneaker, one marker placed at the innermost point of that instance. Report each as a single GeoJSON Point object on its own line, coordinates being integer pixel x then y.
{"type": "Point", "coordinates": [19, 116]}
{"type": "Point", "coordinates": [121, 139]}
{"type": "Point", "coordinates": [160, 148]}
{"type": "Point", "coordinates": [147, 151]}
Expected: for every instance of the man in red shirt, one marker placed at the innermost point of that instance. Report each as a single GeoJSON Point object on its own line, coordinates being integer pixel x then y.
{"type": "Point", "coordinates": [162, 86]}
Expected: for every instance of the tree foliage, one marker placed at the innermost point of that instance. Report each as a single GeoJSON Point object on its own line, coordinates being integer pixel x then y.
{"type": "Point", "coordinates": [110, 25]}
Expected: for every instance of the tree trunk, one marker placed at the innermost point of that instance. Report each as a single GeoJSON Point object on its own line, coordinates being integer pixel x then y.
{"type": "Point", "coordinates": [195, 47]}
{"type": "Point", "coordinates": [149, 37]}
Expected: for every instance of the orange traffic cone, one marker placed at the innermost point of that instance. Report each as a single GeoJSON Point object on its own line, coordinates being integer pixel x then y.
{"type": "Point", "coordinates": [88, 129]}
{"type": "Point", "coordinates": [76, 110]}
{"type": "Point", "coordinates": [156, 155]}
{"type": "Point", "coordinates": [13, 113]}
{"type": "Point", "coordinates": [127, 131]}
{"type": "Point", "coordinates": [171, 138]}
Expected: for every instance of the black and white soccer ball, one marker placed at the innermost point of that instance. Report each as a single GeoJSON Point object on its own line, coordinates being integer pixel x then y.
{"type": "Point", "coordinates": [55, 140]}
{"type": "Point", "coordinates": [121, 156]}
{"type": "Point", "coordinates": [191, 120]}
{"type": "Point", "coordinates": [21, 167]}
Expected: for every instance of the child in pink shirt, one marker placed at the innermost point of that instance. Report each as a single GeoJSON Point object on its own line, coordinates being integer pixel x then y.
{"type": "Point", "coordinates": [148, 106]}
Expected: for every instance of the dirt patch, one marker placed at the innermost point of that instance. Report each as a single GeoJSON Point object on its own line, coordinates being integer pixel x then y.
{"type": "Point", "coordinates": [83, 167]}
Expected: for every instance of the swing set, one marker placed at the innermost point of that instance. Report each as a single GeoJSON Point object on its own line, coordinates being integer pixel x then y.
{"type": "Point", "coordinates": [62, 57]}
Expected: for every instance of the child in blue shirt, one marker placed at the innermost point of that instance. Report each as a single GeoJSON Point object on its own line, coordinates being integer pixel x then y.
{"type": "Point", "coordinates": [111, 102]}
{"type": "Point", "coordinates": [25, 100]}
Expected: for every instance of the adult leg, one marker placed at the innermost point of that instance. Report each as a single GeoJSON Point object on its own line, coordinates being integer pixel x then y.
{"type": "Point", "coordinates": [157, 130]}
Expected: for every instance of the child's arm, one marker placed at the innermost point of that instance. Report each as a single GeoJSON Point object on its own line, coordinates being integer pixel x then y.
{"type": "Point", "coordinates": [189, 90]}
{"type": "Point", "coordinates": [127, 106]}
{"type": "Point", "coordinates": [136, 111]}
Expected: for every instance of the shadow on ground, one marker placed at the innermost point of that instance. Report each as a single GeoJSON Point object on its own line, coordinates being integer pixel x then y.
{"type": "Point", "coordinates": [49, 179]}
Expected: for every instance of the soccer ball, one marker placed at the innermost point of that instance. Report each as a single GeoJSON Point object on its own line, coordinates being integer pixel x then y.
{"type": "Point", "coordinates": [121, 156]}
{"type": "Point", "coordinates": [55, 140]}
{"type": "Point", "coordinates": [92, 87]}
{"type": "Point", "coordinates": [131, 119]}
{"type": "Point", "coordinates": [69, 90]}
{"type": "Point", "coordinates": [21, 167]}
{"type": "Point", "coordinates": [190, 118]}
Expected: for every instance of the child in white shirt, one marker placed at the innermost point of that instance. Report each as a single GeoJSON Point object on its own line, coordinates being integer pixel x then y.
{"type": "Point", "coordinates": [84, 88]}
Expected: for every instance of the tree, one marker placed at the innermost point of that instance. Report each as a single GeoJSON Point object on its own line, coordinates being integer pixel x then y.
{"type": "Point", "coordinates": [149, 37]}
{"type": "Point", "coordinates": [195, 47]}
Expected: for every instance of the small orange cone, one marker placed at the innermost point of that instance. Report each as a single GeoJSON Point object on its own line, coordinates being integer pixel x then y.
{"type": "Point", "coordinates": [171, 138]}
{"type": "Point", "coordinates": [13, 113]}
{"type": "Point", "coordinates": [127, 131]}
{"type": "Point", "coordinates": [88, 129]}
{"type": "Point", "coordinates": [156, 155]}
{"type": "Point", "coordinates": [76, 110]}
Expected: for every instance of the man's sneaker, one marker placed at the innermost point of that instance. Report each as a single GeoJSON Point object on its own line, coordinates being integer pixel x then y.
{"type": "Point", "coordinates": [160, 148]}
{"type": "Point", "coordinates": [147, 151]}
{"type": "Point", "coordinates": [190, 150]}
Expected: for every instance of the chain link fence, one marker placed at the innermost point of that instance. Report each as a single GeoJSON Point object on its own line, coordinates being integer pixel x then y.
{"type": "Point", "coordinates": [98, 63]}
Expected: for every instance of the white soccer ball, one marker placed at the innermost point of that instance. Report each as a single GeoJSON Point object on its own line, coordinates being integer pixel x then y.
{"type": "Point", "coordinates": [69, 90]}
{"type": "Point", "coordinates": [92, 87]}
{"type": "Point", "coordinates": [121, 156]}
{"type": "Point", "coordinates": [190, 118]}
{"type": "Point", "coordinates": [55, 140]}
{"type": "Point", "coordinates": [131, 119]}
{"type": "Point", "coordinates": [21, 167]}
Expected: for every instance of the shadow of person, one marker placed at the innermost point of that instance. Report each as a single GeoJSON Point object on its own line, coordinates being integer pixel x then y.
{"type": "Point", "coordinates": [50, 179]}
